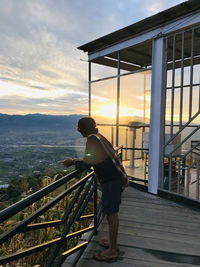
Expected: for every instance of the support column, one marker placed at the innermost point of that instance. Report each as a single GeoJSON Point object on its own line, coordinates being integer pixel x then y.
{"type": "Point", "coordinates": [157, 120]}
{"type": "Point", "coordinates": [89, 86]}
{"type": "Point", "coordinates": [118, 99]}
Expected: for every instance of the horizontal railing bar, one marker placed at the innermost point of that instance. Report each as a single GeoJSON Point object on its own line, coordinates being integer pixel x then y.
{"type": "Point", "coordinates": [21, 254]}
{"type": "Point", "coordinates": [143, 125]}
{"type": "Point", "coordinates": [20, 205]}
{"type": "Point", "coordinates": [122, 74]}
{"type": "Point", "coordinates": [37, 226]}
{"type": "Point", "coordinates": [135, 148]}
{"type": "Point", "coordinates": [123, 125]}
{"type": "Point", "coordinates": [179, 86]}
{"type": "Point", "coordinates": [83, 217]}
{"type": "Point", "coordinates": [80, 232]}
{"type": "Point", "coordinates": [178, 125]}
{"type": "Point", "coordinates": [137, 179]}
{"type": "Point", "coordinates": [103, 79]}
{"type": "Point", "coordinates": [72, 250]}
{"type": "Point", "coordinates": [18, 255]}
{"type": "Point", "coordinates": [19, 227]}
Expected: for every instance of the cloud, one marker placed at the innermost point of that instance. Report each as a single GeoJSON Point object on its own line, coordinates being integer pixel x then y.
{"type": "Point", "coordinates": [38, 51]}
{"type": "Point", "coordinates": [60, 105]}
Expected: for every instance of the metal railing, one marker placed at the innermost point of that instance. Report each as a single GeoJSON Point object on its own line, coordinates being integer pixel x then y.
{"type": "Point", "coordinates": [143, 166]}
{"type": "Point", "coordinates": [81, 193]}
{"type": "Point", "coordinates": [178, 171]}
{"type": "Point", "coordinates": [183, 83]}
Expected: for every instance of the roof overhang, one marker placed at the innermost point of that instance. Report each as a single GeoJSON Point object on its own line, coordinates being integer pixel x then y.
{"type": "Point", "coordinates": [135, 41]}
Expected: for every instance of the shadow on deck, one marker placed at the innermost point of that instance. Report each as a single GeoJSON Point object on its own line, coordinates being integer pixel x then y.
{"type": "Point", "coordinates": [152, 232]}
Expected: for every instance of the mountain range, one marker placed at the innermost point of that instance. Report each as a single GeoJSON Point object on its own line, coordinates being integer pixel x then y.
{"type": "Point", "coordinates": [39, 122]}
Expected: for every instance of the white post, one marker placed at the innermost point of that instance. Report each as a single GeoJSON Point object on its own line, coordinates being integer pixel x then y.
{"type": "Point", "coordinates": [157, 114]}
{"type": "Point", "coordinates": [132, 134]}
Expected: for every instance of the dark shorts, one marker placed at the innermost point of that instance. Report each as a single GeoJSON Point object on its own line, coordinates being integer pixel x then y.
{"type": "Point", "coordinates": [111, 196]}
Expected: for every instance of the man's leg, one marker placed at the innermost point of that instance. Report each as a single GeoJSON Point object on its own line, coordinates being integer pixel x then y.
{"type": "Point", "coordinates": [113, 224]}
{"type": "Point", "coordinates": [111, 199]}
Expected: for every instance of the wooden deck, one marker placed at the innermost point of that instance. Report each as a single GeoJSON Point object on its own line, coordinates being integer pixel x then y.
{"type": "Point", "coordinates": [152, 232]}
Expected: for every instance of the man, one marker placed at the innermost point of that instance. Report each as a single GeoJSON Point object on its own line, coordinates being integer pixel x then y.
{"type": "Point", "coordinates": [100, 154]}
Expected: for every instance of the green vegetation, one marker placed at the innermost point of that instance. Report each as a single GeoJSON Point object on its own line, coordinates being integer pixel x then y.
{"type": "Point", "coordinates": [21, 187]}
{"type": "Point", "coordinates": [32, 238]}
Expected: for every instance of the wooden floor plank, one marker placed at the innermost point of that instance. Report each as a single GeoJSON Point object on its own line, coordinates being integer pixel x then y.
{"type": "Point", "coordinates": [151, 227]}
{"type": "Point", "coordinates": [160, 234]}
{"type": "Point", "coordinates": [127, 256]}
{"type": "Point", "coordinates": [173, 209]}
{"type": "Point", "coordinates": [152, 232]}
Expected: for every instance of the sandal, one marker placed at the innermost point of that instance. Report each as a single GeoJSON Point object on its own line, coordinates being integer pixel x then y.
{"type": "Point", "coordinates": [101, 257]}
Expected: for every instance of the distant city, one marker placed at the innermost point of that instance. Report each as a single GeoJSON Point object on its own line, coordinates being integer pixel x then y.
{"type": "Point", "coordinates": [36, 143]}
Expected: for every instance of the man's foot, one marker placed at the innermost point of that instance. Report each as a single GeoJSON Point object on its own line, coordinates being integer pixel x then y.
{"type": "Point", "coordinates": [104, 243]}
{"type": "Point", "coordinates": [104, 257]}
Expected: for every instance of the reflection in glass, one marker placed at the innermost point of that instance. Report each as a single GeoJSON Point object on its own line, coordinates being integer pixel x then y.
{"type": "Point", "coordinates": [103, 101]}
{"type": "Point", "coordinates": [135, 97]}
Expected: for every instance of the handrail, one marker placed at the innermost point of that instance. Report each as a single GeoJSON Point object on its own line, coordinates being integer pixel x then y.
{"type": "Point", "coordinates": [86, 191]}
{"type": "Point", "coordinates": [135, 148]}
{"type": "Point", "coordinates": [40, 247]}
{"type": "Point", "coordinates": [185, 125]}
{"type": "Point", "coordinates": [184, 140]}
{"type": "Point", "coordinates": [22, 204]}
{"type": "Point", "coordinates": [190, 150]}
{"type": "Point", "coordinates": [20, 226]}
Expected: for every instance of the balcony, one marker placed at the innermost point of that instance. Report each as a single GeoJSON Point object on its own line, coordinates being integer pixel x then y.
{"type": "Point", "coordinates": [153, 231]}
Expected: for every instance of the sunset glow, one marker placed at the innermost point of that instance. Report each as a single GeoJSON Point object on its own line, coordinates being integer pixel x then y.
{"type": "Point", "coordinates": [110, 111]}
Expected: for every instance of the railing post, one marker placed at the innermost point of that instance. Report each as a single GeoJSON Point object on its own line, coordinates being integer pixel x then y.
{"type": "Point", "coordinates": [126, 144]}
{"type": "Point", "coordinates": [198, 174]}
{"type": "Point", "coordinates": [112, 135]}
{"type": "Point", "coordinates": [95, 207]}
{"type": "Point", "coordinates": [118, 99]}
{"type": "Point", "coordinates": [89, 86]}
{"type": "Point", "coordinates": [121, 155]}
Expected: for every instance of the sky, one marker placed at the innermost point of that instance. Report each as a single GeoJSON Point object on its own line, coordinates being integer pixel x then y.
{"type": "Point", "coordinates": [41, 69]}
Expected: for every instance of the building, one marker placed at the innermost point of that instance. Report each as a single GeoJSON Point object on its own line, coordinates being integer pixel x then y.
{"type": "Point", "coordinates": [144, 92]}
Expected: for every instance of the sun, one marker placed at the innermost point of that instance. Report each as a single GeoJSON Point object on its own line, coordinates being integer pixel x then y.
{"type": "Point", "coordinates": [109, 111]}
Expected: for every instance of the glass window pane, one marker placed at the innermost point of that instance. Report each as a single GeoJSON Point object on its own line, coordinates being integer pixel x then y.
{"type": "Point", "coordinates": [103, 101]}
{"type": "Point", "coordinates": [135, 97]}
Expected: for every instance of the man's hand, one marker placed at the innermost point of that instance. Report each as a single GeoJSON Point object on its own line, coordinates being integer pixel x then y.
{"type": "Point", "coordinates": [68, 162]}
